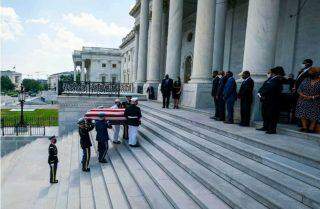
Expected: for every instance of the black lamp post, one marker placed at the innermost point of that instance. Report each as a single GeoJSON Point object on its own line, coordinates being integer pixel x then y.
{"type": "Point", "coordinates": [22, 99]}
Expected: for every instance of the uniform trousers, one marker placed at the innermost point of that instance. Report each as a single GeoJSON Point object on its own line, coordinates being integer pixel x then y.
{"type": "Point", "coordinates": [133, 131]}
{"type": "Point", "coordinates": [230, 110]}
{"type": "Point", "coordinates": [270, 115]}
{"type": "Point", "coordinates": [116, 133]}
{"type": "Point", "coordinates": [245, 111]}
{"type": "Point", "coordinates": [86, 152]}
{"type": "Point", "coordinates": [53, 171]}
{"type": "Point", "coordinates": [102, 149]}
{"type": "Point", "coordinates": [125, 131]}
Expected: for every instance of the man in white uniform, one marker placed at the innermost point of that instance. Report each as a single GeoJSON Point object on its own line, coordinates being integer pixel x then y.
{"type": "Point", "coordinates": [133, 116]}
{"type": "Point", "coordinates": [116, 128]}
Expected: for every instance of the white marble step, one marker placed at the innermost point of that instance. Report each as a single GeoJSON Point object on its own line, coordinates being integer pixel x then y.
{"type": "Point", "coordinates": [290, 186]}
{"type": "Point", "coordinates": [217, 185]}
{"type": "Point", "coordinates": [298, 149]}
{"type": "Point", "coordinates": [100, 193]}
{"type": "Point", "coordinates": [133, 193]}
{"type": "Point", "coordinates": [150, 190]}
{"type": "Point", "coordinates": [296, 169]}
{"type": "Point", "coordinates": [177, 196]}
{"type": "Point", "coordinates": [249, 185]}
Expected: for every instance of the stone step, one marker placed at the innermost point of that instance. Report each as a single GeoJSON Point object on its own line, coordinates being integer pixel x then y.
{"type": "Point", "coordinates": [263, 193]}
{"type": "Point", "coordinates": [217, 185]}
{"type": "Point", "coordinates": [131, 190]}
{"type": "Point", "coordinates": [100, 193]}
{"type": "Point", "coordinates": [290, 186]}
{"type": "Point", "coordinates": [177, 196]}
{"type": "Point", "coordinates": [300, 150]}
{"type": "Point", "coordinates": [74, 181]}
{"type": "Point", "coordinates": [156, 199]}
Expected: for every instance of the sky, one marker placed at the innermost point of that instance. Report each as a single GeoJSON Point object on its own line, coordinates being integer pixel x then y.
{"type": "Point", "coordinates": [39, 36]}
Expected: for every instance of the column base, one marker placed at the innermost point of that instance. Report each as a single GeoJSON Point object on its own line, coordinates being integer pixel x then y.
{"type": "Point", "coordinates": [197, 95]}
{"type": "Point", "coordinates": [138, 87]}
{"type": "Point", "coordinates": [155, 89]}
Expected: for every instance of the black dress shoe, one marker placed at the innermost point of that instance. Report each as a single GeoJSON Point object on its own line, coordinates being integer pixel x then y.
{"type": "Point", "coordinates": [261, 129]}
{"type": "Point", "coordinates": [103, 161]}
{"type": "Point", "coordinates": [54, 182]}
{"type": "Point", "coordinates": [271, 132]}
{"type": "Point", "coordinates": [228, 122]}
{"type": "Point", "coordinates": [86, 170]}
{"type": "Point", "coordinates": [116, 142]}
{"type": "Point", "coordinates": [134, 145]}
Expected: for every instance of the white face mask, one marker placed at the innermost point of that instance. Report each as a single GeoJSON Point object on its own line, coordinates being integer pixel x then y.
{"type": "Point", "coordinates": [220, 76]}
{"type": "Point", "coordinates": [303, 65]}
{"type": "Point", "coordinates": [268, 75]}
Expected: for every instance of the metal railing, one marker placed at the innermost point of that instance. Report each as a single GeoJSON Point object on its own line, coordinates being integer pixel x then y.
{"type": "Point", "coordinates": [27, 130]}
{"type": "Point", "coordinates": [94, 88]}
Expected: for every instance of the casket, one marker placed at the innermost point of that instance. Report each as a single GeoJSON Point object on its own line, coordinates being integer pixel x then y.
{"type": "Point", "coordinates": [114, 116]}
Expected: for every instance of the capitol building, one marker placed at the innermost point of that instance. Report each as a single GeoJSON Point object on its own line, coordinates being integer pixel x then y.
{"type": "Point", "coordinates": [190, 39]}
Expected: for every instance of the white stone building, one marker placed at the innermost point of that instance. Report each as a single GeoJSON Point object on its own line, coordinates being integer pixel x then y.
{"type": "Point", "coordinates": [97, 64]}
{"type": "Point", "coordinates": [191, 38]}
{"type": "Point", "coordinates": [54, 79]}
{"type": "Point", "coordinates": [15, 77]}
{"type": "Point", "coordinates": [127, 51]}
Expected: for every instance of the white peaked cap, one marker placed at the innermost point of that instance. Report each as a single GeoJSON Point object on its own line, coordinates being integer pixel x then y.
{"type": "Point", "coordinates": [134, 99]}
{"type": "Point", "coordinates": [117, 100]}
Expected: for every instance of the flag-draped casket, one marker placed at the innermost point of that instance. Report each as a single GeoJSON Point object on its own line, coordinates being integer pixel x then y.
{"type": "Point", "coordinates": [115, 116]}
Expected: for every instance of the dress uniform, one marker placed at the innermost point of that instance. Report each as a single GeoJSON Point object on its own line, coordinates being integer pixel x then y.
{"type": "Point", "coordinates": [53, 160]}
{"type": "Point", "coordinates": [133, 116]}
{"type": "Point", "coordinates": [126, 104]}
{"type": "Point", "coordinates": [85, 142]}
{"type": "Point", "coordinates": [102, 137]}
{"type": "Point", "coordinates": [116, 131]}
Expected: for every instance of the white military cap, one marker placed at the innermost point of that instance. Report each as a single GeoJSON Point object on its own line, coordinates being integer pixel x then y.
{"type": "Point", "coordinates": [134, 99]}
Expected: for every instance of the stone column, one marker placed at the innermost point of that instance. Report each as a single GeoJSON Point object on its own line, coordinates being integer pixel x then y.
{"type": "Point", "coordinates": [136, 51]}
{"type": "Point", "coordinates": [197, 92]}
{"type": "Point", "coordinates": [75, 73]}
{"type": "Point", "coordinates": [143, 43]}
{"type": "Point", "coordinates": [82, 72]}
{"type": "Point", "coordinates": [203, 45]}
{"type": "Point", "coordinates": [219, 35]}
{"type": "Point", "coordinates": [174, 38]}
{"type": "Point", "coordinates": [261, 36]}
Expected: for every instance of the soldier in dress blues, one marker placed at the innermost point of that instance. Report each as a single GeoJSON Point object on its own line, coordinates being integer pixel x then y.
{"type": "Point", "coordinates": [53, 159]}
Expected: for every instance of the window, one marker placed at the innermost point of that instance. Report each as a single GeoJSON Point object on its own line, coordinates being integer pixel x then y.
{"type": "Point", "coordinates": [114, 79]}
{"type": "Point", "coordinates": [114, 65]}
{"type": "Point", "coordinates": [103, 79]}
{"type": "Point", "coordinates": [104, 65]}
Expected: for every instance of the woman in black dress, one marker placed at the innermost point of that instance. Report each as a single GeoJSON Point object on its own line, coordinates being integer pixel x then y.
{"type": "Point", "coordinates": [308, 106]}
{"type": "Point", "coordinates": [176, 92]}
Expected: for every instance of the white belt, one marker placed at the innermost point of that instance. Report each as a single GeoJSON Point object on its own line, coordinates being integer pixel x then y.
{"type": "Point", "coordinates": [132, 116]}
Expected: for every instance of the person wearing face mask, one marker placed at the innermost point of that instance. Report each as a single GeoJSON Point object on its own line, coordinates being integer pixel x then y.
{"type": "Point", "coordinates": [308, 105]}
{"type": "Point", "coordinates": [230, 96]}
{"type": "Point", "coordinates": [219, 96]}
{"type": "Point", "coordinates": [215, 84]}
{"type": "Point", "coordinates": [245, 95]}
{"type": "Point", "coordinates": [303, 73]}
{"type": "Point", "coordinates": [270, 94]}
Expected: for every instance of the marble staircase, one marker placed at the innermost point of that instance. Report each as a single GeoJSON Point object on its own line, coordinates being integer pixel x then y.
{"type": "Point", "coordinates": [185, 160]}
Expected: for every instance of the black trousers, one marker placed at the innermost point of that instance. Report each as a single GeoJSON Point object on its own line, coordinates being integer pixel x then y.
{"type": "Point", "coordinates": [222, 109]}
{"type": "Point", "coordinates": [53, 171]}
{"type": "Point", "coordinates": [125, 132]}
{"type": "Point", "coordinates": [216, 107]}
{"type": "Point", "coordinates": [245, 112]}
{"type": "Point", "coordinates": [102, 149]}
{"type": "Point", "coordinates": [86, 153]}
{"type": "Point", "coordinates": [165, 100]}
{"type": "Point", "coordinates": [270, 116]}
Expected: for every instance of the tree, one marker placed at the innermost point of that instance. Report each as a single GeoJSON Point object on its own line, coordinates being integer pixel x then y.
{"type": "Point", "coordinates": [6, 84]}
{"type": "Point", "coordinates": [32, 85]}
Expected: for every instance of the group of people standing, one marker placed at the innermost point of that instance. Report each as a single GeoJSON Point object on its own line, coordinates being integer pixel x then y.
{"type": "Point", "coordinates": [171, 88]}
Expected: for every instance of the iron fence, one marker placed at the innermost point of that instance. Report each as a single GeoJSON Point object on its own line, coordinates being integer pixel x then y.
{"type": "Point", "coordinates": [94, 88]}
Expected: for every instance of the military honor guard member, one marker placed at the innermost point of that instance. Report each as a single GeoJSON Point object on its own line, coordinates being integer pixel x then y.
{"type": "Point", "coordinates": [53, 159]}
{"type": "Point", "coordinates": [126, 104]}
{"type": "Point", "coordinates": [102, 137]}
{"type": "Point", "coordinates": [116, 130]}
{"type": "Point", "coordinates": [133, 116]}
{"type": "Point", "coordinates": [85, 142]}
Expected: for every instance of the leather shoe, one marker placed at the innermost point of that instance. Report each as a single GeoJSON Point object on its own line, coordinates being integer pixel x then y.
{"type": "Point", "coordinates": [261, 129]}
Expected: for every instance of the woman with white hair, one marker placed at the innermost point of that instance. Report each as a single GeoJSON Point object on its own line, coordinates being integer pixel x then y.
{"type": "Point", "coordinates": [133, 116]}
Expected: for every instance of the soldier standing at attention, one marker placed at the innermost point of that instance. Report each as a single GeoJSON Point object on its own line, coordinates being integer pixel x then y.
{"type": "Point", "coordinates": [53, 159]}
{"type": "Point", "coordinates": [125, 105]}
{"type": "Point", "coordinates": [102, 137]}
{"type": "Point", "coordinates": [133, 116]}
{"type": "Point", "coordinates": [85, 142]}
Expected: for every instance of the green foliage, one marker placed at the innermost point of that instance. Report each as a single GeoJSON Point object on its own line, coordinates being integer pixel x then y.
{"type": "Point", "coordinates": [6, 84]}
{"type": "Point", "coordinates": [32, 85]}
{"type": "Point", "coordinates": [66, 78]}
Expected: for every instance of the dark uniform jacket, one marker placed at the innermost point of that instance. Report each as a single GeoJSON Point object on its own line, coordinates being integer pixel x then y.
{"type": "Point", "coordinates": [53, 154]}
{"type": "Point", "coordinates": [301, 76]}
{"type": "Point", "coordinates": [215, 85]}
{"type": "Point", "coordinates": [133, 115]}
{"type": "Point", "coordinates": [271, 91]}
{"type": "Point", "coordinates": [85, 141]}
{"type": "Point", "coordinates": [102, 130]}
{"type": "Point", "coordinates": [222, 83]}
{"type": "Point", "coordinates": [246, 90]}
{"type": "Point", "coordinates": [125, 104]}
{"type": "Point", "coordinates": [166, 86]}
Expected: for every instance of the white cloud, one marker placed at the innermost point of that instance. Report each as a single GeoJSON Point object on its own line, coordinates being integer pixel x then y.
{"type": "Point", "coordinates": [93, 24]}
{"type": "Point", "coordinates": [11, 26]}
{"type": "Point", "coordinates": [42, 21]}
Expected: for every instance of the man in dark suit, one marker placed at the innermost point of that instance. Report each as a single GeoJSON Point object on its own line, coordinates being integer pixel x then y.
{"type": "Point", "coordinates": [230, 96]}
{"type": "Point", "coordinates": [166, 89]}
{"type": "Point", "coordinates": [245, 95]}
{"type": "Point", "coordinates": [215, 84]}
{"type": "Point", "coordinates": [219, 96]}
{"type": "Point", "coordinates": [270, 94]}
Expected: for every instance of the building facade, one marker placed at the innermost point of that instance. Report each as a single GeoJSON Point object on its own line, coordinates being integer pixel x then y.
{"type": "Point", "coordinates": [191, 38]}
{"type": "Point", "coordinates": [97, 64]}
{"type": "Point", "coordinates": [54, 79]}
{"type": "Point", "coordinates": [127, 52]}
{"type": "Point", "coordinates": [15, 77]}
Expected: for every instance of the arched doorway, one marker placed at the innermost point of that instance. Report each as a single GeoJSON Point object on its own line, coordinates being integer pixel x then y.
{"type": "Point", "coordinates": [187, 69]}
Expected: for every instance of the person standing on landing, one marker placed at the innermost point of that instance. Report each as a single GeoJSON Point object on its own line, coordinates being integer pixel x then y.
{"type": "Point", "coordinates": [133, 116]}
{"type": "Point", "coordinates": [166, 89]}
{"type": "Point", "coordinates": [53, 159]}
